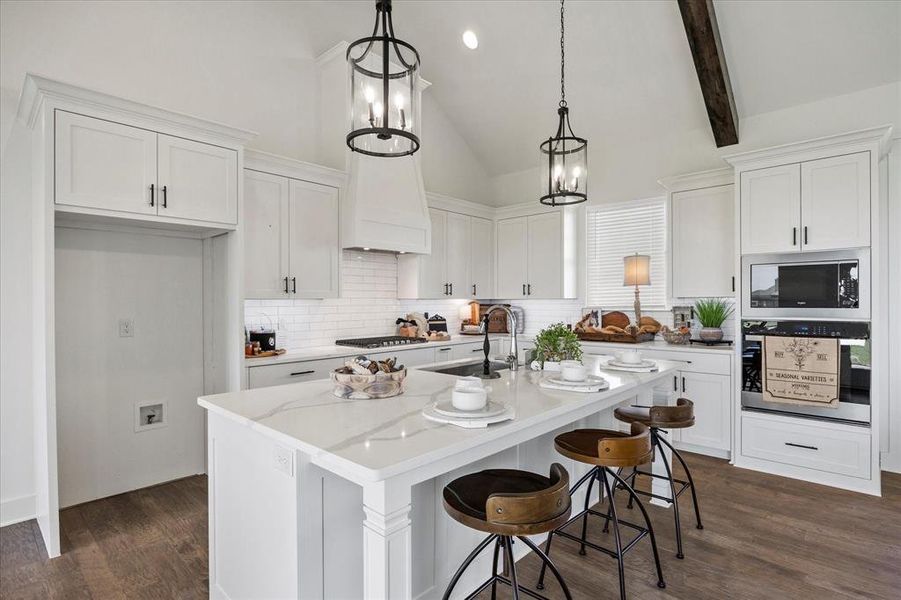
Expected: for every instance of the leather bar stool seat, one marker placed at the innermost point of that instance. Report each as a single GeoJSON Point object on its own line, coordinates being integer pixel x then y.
{"type": "Point", "coordinates": [659, 419]}
{"type": "Point", "coordinates": [508, 503]}
{"type": "Point", "coordinates": [603, 447]}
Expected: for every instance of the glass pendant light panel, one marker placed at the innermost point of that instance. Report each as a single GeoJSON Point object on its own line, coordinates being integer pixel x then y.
{"type": "Point", "coordinates": [564, 170]}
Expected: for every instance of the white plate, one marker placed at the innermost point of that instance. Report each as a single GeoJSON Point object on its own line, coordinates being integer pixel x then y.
{"type": "Point", "coordinates": [591, 380]}
{"type": "Point", "coordinates": [446, 408]}
{"type": "Point", "coordinates": [429, 413]}
{"type": "Point", "coordinates": [645, 364]}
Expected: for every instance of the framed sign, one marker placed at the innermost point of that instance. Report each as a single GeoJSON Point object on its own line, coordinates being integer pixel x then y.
{"type": "Point", "coordinates": [801, 370]}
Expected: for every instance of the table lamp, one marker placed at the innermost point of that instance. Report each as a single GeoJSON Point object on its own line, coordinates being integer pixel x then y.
{"type": "Point", "coordinates": [637, 271]}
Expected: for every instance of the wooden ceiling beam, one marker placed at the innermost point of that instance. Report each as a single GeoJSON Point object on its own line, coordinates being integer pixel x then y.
{"type": "Point", "coordinates": [699, 19]}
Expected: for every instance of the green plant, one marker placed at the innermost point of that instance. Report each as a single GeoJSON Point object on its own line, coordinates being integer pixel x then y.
{"type": "Point", "coordinates": [557, 342]}
{"type": "Point", "coordinates": [712, 312]}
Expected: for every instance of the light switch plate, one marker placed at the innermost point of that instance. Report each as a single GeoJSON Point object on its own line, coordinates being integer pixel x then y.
{"type": "Point", "coordinates": [126, 327]}
{"type": "Point", "coordinates": [284, 461]}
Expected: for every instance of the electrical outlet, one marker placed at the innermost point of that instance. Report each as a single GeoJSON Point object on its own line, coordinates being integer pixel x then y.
{"type": "Point", "coordinates": [126, 327]}
{"type": "Point", "coordinates": [284, 461]}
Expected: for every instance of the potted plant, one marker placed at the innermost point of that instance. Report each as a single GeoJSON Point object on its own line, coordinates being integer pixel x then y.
{"type": "Point", "coordinates": [555, 343]}
{"type": "Point", "coordinates": [712, 312]}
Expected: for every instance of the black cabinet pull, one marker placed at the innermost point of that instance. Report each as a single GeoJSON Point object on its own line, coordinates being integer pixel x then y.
{"type": "Point", "coordinates": [805, 235]}
{"type": "Point", "coordinates": [451, 289]}
{"type": "Point", "coordinates": [151, 194]}
{"type": "Point", "coordinates": [529, 286]}
{"type": "Point", "coordinates": [165, 197]}
{"type": "Point", "coordinates": [794, 236]}
{"type": "Point", "coordinates": [302, 373]}
{"type": "Point", "coordinates": [444, 349]}
{"type": "Point", "coordinates": [294, 285]}
{"type": "Point", "coordinates": [446, 292]}
{"type": "Point", "coordinates": [477, 350]}
{"type": "Point", "coordinates": [733, 283]}
{"type": "Point", "coordinates": [286, 285]}
{"type": "Point", "coordinates": [675, 383]}
{"type": "Point", "coordinates": [473, 289]}
{"type": "Point", "coordinates": [523, 289]}
{"type": "Point", "coordinates": [683, 385]}
{"type": "Point", "coordinates": [801, 446]}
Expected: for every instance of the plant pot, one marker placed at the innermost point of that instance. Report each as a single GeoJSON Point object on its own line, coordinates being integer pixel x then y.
{"type": "Point", "coordinates": [711, 334]}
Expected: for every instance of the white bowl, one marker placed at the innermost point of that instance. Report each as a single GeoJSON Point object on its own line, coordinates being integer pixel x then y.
{"type": "Point", "coordinates": [469, 399]}
{"type": "Point", "coordinates": [629, 357]}
{"type": "Point", "coordinates": [573, 370]}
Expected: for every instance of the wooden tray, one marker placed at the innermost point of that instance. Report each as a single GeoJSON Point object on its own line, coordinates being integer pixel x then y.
{"type": "Point", "coordinates": [623, 338]}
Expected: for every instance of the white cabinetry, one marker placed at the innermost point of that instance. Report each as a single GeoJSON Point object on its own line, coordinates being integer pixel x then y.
{"type": "Point", "coordinates": [116, 168]}
{"type": "Point", "coordinates": [291, 245]}
{"type": "Point", "coordinates": [536, 256]}
{"type": "Point", "coordinates": [460, 264]}
{"type": "Point", "coordinates": [814, 205]}
{"type": "Point", "coordinates": [702, 234]}
{"type": "Point", "coordinates": [712, 404]}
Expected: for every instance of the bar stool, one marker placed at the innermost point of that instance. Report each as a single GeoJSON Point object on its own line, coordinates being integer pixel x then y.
{"type": "Point", "coordinates": [508, 503]}
{"type": "Point", "coordinates": [605, 449]}
{"type": "Point", "coordinates": [659, 418]}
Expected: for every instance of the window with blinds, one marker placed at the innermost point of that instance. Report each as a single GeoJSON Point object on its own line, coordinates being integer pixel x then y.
{"type": "Point", "coordinates": [615, 231]}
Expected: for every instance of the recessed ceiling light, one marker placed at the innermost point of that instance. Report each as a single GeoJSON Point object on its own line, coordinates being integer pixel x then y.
{"type": "Point", "coordinates": [470, 40]}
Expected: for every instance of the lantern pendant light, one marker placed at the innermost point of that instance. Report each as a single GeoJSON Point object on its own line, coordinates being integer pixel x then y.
{"type": "Point", "coordinates": [384, 75]}
{"type": "Point", "coordinates": [564, 156]}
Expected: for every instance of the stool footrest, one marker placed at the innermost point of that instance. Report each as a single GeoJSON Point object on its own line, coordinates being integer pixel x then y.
{"type": "Point", "coordinates": [642, 532]}
{"type": "Point", "coordinates": [684, 485]}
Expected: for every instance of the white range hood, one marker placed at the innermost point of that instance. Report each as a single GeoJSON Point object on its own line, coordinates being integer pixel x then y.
{"type": "Point", "coordinates": [383, 206]}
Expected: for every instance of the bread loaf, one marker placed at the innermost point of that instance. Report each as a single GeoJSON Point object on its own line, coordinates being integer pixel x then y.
{"type": "Point", "coordinates": [616, 319]}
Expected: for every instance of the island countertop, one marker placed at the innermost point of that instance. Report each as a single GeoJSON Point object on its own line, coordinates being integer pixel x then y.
{"type": "Point", "coordinates": [372, 440]}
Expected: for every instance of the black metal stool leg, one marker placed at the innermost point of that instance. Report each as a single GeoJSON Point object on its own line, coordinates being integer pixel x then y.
{"type": "Point", "coordinates": [655, 440]}
{"type": "Point", "coordinates": [497, 547]}
{"type": "Point", "coordinates": [585, 516]}
{"type": "Point", "coordinates": [610, 504]}
{"type": "Point", "coordinates": [472, 556]}
{"type": "Point", "coordinates": [647, 519]}
{"type": "Point", "coordinates": [547, 561]}
{"type": "Point", "coordinates": [547, 552]}
{"type": "Point", "coordinates": [616, 537]}
{"type": "Point", "coordinates": [589, 476]}
{"type": "Point", "coordinates": [508, 545]}
{"type": "Point", "coordinates": [631, 479]}
{"type": "Point", "coordinates": [691, 483]}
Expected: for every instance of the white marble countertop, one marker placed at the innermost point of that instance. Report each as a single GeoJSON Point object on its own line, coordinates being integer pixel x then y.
{"type": "Point", "coordinates": [322, 352]}
{"type": "Point", "coordinates": [372, 440]}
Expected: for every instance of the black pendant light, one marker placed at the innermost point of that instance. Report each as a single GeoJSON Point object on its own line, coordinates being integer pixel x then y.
{"type": "Point", "coordinates": [384, 74]}
{"type": "Point", "coordinates": [564, 157]}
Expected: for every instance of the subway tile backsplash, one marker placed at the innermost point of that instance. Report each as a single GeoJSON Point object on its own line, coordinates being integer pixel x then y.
{"type": "Point", "coordinates": [369, 306]}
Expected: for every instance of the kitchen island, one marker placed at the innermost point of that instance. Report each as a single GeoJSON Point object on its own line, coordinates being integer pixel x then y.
{"type": "Point", "coordinates": [312, 496]}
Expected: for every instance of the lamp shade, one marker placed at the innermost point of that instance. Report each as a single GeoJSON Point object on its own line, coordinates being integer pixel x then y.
{"type": "Point", "coordinates": [637, 269]}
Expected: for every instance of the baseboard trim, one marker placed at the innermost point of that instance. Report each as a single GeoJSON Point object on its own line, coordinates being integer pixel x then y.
{"type": "Point", "coordinates": [16, 510]}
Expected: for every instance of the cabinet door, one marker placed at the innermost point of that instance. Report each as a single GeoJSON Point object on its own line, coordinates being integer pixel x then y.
{"type": "Point", "coordinates": [545, 256]}
{"type": "Point", "coordinates": [458, 255]}
{"type": "Point", "coordinates": [313, 240]}
{"type": "Point", "coordinates": [771, 210]}
{"type": "Point", "coordinates": [99, 164]}
{"type": "Point", "coordinates": [512, 248]}
{"type": "Point", "coordinates": [265, 235]}
{"type": "Point", "coordinates": [433, 267]}
{"type": "Point", "coordinates": [482, 258]}
{"type": "Point", "coordinates": [710, 394]}
{"type": "Point", "coordinates": [197, 181]}
{"type": "Point", "coordinates": [703, 242]}
{"type": "Point", "coordinates": [835, 202]}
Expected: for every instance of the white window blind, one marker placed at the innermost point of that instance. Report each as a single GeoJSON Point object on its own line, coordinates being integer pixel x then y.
{"type": "Point", "coordinates": [615, 231]}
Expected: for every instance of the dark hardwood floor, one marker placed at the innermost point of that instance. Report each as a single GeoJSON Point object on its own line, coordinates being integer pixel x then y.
{"type": "Point", "coordinates": [765, 537]}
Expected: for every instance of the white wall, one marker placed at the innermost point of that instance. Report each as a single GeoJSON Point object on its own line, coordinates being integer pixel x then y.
{"type": "Point", "coordinates": [891, 460]}
{"type": "Point", "coordinates": [625, 169]}
{"type": "Point", "coordinates": [157, 282]}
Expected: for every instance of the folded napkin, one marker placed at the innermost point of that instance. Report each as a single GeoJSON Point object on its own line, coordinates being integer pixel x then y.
{"type": "Point", "coordinates": [596, 386]}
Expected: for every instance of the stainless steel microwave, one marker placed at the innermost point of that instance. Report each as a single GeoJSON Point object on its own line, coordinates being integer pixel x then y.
{"type": "Point", "coordinates": [815, 285]}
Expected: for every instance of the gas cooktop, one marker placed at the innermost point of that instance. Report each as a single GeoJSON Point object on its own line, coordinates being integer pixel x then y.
{"type": "Point", "coordinates": [379, 342]}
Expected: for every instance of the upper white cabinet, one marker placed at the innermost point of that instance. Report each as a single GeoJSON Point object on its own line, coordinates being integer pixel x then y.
{"type": "Point", "coordinates": [703, 242]}
{"type": "Point", "coordinates": [291, 247]}
{"type": "Point", "coordinates": [107, 166]}
{"type": "Point", "coordinates": [835, 202]}
{"type": "Point", "coordinates": [813, 205]}
{"type": "Point", "coordinates": [536, 256]}
{"type": "Point", "coordinates": [197, 181]}
{"type": "Point", "coordinates": [460, 264]}
{"type": "Point", "coordinates": [104, 165]}
{"type": "Point", "coordinates": [771, 210]}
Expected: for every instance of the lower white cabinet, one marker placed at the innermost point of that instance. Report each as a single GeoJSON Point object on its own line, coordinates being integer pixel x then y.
{"type": "Point", "coordinates": [291, 245]}
{"type": "Point", "coordinates": [713, 411]}
{"type": "Point", "coordinates": [294, 372]}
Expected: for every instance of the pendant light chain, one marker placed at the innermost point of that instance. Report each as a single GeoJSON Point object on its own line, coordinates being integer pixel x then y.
{"type": "Point", "coordinates": [562, 58]}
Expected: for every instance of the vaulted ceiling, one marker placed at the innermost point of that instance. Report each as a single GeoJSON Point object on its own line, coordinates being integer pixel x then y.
{"type": "Point", "coordinates": [629, 69]}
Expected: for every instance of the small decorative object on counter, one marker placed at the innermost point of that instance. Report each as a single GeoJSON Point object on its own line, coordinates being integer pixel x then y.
{"type": "Point", "coordinates": [676, 336]}
{"type": "Point", "coordinates": [557, 343]}
{"type": "Point", "coordinates": [712, 313]}
{"type": "Point", "coordinates": [364, 379]}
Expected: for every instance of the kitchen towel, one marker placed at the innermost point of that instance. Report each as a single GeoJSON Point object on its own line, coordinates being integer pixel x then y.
{"type": "Point", "coordinates": [801, 370]}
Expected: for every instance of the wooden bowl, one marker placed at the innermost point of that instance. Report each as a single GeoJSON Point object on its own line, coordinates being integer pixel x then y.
{"type": "Point", "coordinates": [369, 387]}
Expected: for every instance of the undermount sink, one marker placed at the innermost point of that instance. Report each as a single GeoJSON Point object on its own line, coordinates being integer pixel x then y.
{"type": "Point", "coordinates": [470, 369]}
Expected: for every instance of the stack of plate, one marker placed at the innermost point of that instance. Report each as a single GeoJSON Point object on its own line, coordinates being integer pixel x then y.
{"type": "Point", "coordinates": [591, 383]}
{"type": "Point", "coordinates": [443, 411]}
{"type": "Point", "coordinates": [645, 366]}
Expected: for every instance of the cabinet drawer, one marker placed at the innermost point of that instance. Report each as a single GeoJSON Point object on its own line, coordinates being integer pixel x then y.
{"type": "Point", "coordinates": [694, 362]}
{"type": "Point", "coordinates": [295, 372]}
{"type": "Point", "coordinates": [406, 356]}
{"type": "Point", "coordinates": [475, 351]}
{"type": "Point", "coordinates": [844, 451]}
